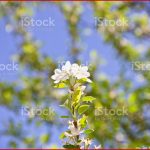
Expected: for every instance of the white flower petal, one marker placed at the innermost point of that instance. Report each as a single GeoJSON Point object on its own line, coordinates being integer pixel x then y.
{"type": "Point", "coordinates": [85, 68]}
{"type": "Point", "coordinates": [67, 134]}
{"type": "Point", "coordinates": [53, 77]}
{"type": "Point", "coordinates": [67, 66]}
{"type": "Point", "coordinates": [57, 81]}
{"type": "Point", "coordinates": [97, 147]}
{"type": "Point", "coordinates": [57, 71]}
{"type": "Point", "coordinates": [69, 70]}
{"type": "Point", "coordinates": [86, 141]}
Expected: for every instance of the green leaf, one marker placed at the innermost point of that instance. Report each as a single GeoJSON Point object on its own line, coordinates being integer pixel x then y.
{"type": "Point", "coordinates": [13, 144]}
{"type": "Point", "coordinates": [44, 138]}
{"type": "Point", "coordinates": [65, 116]}
{"type": "Point", "coordinates": [88, 98]}
{"type": "Point", "coordinates": [62, 136]}
{"type": "Point", "coordinates": [60, 85]}
{"type": "Point", "coordinates": [132, 103]}
{"type": "Point", "coordinates": [82, 109]}
{"type": "Point", "coordinates": [83, 121]}
{"type": "Point", "coordinates": [29, 140]}
{"type": "Point", "coordinates": [76, 95]}
{"type": "Point", "coordinates": [84, 80]}
{"type": "Point", "coordinates": [66, 104]}
{"type": "Point", "coordinates": [71, 146]}
{"type": "Point", "coordinates": [88, 131]}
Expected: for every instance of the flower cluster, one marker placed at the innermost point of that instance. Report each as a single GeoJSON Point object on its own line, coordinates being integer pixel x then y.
{"type": "Point", "coordinates": [70, 70]}
{"type": "Point", "coordinates": [74, 77]}
{"type": "Point", "coordinates": [86, 142]}
{"type": "Point", "coordinates": [74, 130]}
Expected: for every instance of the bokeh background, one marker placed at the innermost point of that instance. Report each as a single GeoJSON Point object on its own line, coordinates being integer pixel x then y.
{"type": "Point", "coordinates": [75, 36]}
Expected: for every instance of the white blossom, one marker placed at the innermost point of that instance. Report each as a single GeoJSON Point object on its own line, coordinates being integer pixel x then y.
{"type": "Point", "coordinates": [60, 76]}
{"type": "Point", "coordinates": [75, 131]}
{"type": "Point", "coordinates": [67, 67]}
{"type": "Point", "coordinates": [70, 70]}
{"type": "Point", "coordinates": [82, 72]}
{"type": "Point", "coordinates": [97, 147]}
{"type": "Point", "coordinates": [87, 141]}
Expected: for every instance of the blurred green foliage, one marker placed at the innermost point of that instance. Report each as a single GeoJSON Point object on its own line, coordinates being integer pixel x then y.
{"type": "Point", "coordinates": [122, 92]}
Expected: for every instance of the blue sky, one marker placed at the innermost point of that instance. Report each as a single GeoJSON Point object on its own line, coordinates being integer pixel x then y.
{"type": "Point", "coordinates": [51, 36]}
